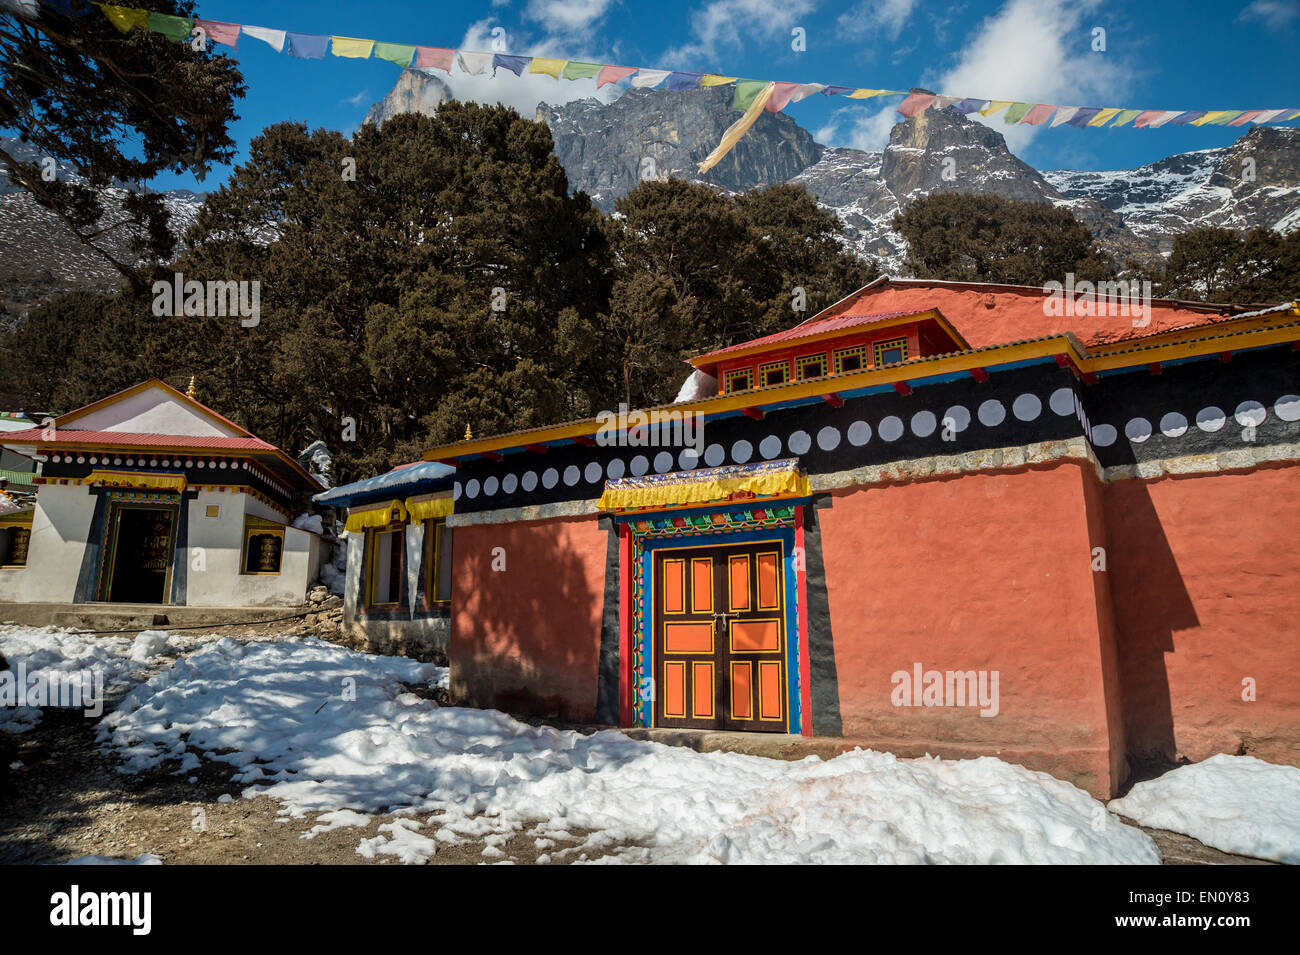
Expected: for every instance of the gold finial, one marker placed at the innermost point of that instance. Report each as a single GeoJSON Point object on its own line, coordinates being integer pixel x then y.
{"type": "Point", "coordinates": [469, 435]}
{"type": "Point", "coordinates": [191, 391]}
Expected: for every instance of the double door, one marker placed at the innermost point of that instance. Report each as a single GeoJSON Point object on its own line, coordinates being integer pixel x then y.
{"type": "Point", "coordinates": [720, 637]}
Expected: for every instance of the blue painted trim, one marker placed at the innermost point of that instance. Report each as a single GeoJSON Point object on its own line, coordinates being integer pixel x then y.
{"type": "Point", "coordinates": [793, 636]}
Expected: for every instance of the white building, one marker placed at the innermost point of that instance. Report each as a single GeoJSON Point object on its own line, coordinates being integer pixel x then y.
{"type": "Point", "coordinates": [149, 497]}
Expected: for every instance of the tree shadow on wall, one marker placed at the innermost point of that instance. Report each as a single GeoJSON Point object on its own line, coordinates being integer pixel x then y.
{"type": "Point", "coordinates": [1151, 603]}
{"type": "Point", "coordinates": [526, 639]}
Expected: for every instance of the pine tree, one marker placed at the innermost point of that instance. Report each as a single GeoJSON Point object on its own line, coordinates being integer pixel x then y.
{"type": "Point", "coordinates": [965, 238]}
{"type": "Point", "coordinates": [120, 108]}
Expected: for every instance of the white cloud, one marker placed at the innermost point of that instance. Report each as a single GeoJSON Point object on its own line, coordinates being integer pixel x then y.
{"type": "Point", "coordinates": [524, 92]}
{"type": "Point", "coordinates": [1037, 51]}
{"type": "Point", "coordinates": [362, 97]}
{"type": "Point", "coordinates": [859, 127]}
{"type": "Point", "coordinates": [1274, 14]}
{"type": "Point", "coordinates": [723, 24]}
{"type": "Point", "coordinates": [1030, 50]}
{"type": "Point", "coordinates": [877, 17]}
{"type": "Point", "coordinates": [567, 20]}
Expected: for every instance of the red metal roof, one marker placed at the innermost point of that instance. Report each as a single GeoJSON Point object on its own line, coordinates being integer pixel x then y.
{"type": "Point", "coordinates": [814, 326]}
{"type": "Point", "coordinates": [52, 437]}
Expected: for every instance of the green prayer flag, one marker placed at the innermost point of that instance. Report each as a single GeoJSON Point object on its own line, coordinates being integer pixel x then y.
{"type": "Point", "coordinates": [1016, 112]}
{"type": "Point", "coordinates": [580, 71]}
{"type": "Point", "coordinates": [746, 92]}
{"type": "Point", "coordinates": [173, 28]}
{"type": "Point", "coordinates": [1126, 117]}
{"type": "Point", "coordinates": [398, 53]}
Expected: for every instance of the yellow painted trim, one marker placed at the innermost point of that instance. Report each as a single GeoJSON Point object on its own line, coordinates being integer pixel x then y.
{"type": "Point", "coordinates": [1063, 344]}
{"type": "Point", "coordinates": [878, 348]}
{"type": "Point", "coordinates": [261, 527]}
{"type": "Point", "coordinates": [789, 483]}
{"type": "Point", "coordinates": [923, 316]}
{"type": "Point", "coordinates": [142, 479]}
{"type": "Point", "coordinates": [426, 508]}
{"type": "Point", "coordinates": [379, 515]}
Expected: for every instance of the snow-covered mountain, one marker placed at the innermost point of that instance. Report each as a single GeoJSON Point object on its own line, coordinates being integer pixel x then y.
{"type": "Point", "coordinates": [1134, 214]}
{"type": "Point", "coordinates": [1253, 183]}
{"type": "Point", "coordinates": [40, 257]}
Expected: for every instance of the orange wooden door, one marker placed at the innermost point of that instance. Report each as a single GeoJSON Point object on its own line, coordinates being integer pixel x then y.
{"type": "Point", "coordinates": [720, 638]}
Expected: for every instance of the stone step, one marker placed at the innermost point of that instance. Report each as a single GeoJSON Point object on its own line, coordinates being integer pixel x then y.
{"type": "Point", "coordinates": [115, 616]}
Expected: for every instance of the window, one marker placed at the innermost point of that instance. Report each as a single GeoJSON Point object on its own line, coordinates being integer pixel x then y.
{"type": "Point", "coordinates": [13, 546]}
{"type": "Point", "coordinates": [737, 379]}
{"type": "Point", "coordinates": [773, 373]}
{"type": "Point", "coordinates": [263, 546]}
{"type": "Point", "coordinates": [809, 366]}
{"type": "Point", "coordinates": [887, 353]}
{"type": "Point", "coordinates": [212, 510]}
{"type": "Point", "coordinates": [850, 359]}
{"type": "Point", "coordinates": [437, 569]}
{"type": "Point", "coordinates": [385, 564]}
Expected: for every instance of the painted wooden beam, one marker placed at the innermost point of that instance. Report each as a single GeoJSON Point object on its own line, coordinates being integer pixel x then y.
{"type": "Point", "coordinates": [756, 413]}
{"type": "Point", "coordinates": [980, 375]}
{"type": "Point", "coordinates": [834, 400]}
{"type": "Point", "coordinates": [536, 448]}
{"type": "Point", "coordinates": [902, 387]}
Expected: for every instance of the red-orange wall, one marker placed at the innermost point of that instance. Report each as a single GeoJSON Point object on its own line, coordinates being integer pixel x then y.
{"type": "Point", "coordinates": [527, 639]}
{"type": "Point", "coordinates": [1203, 573]}
{"type": "Point", "coordinates": [977, 572]}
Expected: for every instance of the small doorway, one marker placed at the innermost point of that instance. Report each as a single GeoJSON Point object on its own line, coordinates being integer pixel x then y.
{"type": "Point", "coordinates": [720, 637]}
{"type": "Point", "coordinates": [141, 542]}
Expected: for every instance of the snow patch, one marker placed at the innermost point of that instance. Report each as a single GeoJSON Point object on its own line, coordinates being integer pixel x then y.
{"type": "Point", "coordinates": [323, 729]}
{"type": "Point", "coordinates": [1239, 804]}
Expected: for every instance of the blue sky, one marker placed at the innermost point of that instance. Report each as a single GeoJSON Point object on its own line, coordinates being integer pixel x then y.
{"type": "Point", "coordinates": [1159, 54]}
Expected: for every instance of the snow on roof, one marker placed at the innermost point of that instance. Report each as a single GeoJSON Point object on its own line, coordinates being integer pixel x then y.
{"type": "Point", "coordinates": [406, 477]}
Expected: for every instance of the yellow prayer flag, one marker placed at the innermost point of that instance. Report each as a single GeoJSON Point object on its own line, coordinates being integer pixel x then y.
{"type": "Point", "coordinates": [548, 67]}
{"type": "Point", "coordinates": [1216, 117]}
{"type": "Point", "coordinates": [738, 128]}
{"type": "Point", "coordinates": [713, 79]}
{"type": "Point", "coordinates": [994, 106]}
{"type": "Point", "coordinates": [124, 18]}
{"type": "Point", "coordinates": [867, 94]}
{"type": "Point", "coordinates": [1105, 116]}
{"type": "Point", "coordinates": [350, 46]}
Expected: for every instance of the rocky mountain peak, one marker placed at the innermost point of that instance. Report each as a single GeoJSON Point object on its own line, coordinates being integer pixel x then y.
{"type": "Point", "coordinates": [943, 151]}
{"type": "Point", "coordinates": [654, 134]}
{"type": "Point", "coordinates": [415, 91]}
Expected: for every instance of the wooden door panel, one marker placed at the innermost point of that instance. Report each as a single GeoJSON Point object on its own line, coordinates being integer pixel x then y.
{"type": "Point", "coordinates": [720, 637]}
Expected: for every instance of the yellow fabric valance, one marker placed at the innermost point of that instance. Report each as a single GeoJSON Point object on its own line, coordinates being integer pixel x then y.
{"type": "Point", "coordinates": [707, 486]}
{"type": "Point", "coordinates": [376, 516]}
{"type": "Point", "coordinates": [428, 508]}
{"type": "Point", "coordinates": [145, 479]}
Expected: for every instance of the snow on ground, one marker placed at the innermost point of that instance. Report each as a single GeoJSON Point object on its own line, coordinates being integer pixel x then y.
{"type": "Point", "coordinates": [50, 650]}
{"type": "Point", "coordinates": [1235, 803]}
{"type": "Point", "coordinates": [144, 859]}
{"type": "Point", "coordinates": [324, 730]}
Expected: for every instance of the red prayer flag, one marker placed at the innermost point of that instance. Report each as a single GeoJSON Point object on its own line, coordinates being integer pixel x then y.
{"type": "Point", "coordinates": [1038, 115]}
{"type": "Point", "coordinates": [612, 74]}
{"type": "Point", "coordinates": [219, 32]}
{"type": "Point", "coordinates": [916, 103]}
{"type": "Point", "coordinates": [1246, 117]}
{"type": "Point", "coordinates": [432, 56]}
{"type": "Point", "coordinates": [781, 94]}
{"type": "Point", "coordinates": [1147, 116]}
